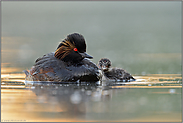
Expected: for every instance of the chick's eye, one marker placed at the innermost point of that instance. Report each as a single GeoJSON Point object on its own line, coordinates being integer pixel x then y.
{"type": "Point", "coordinates": [75, 49]}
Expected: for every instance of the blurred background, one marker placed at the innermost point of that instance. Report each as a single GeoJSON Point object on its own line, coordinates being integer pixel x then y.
{"type": "Point", "coordinates": [141, 37]}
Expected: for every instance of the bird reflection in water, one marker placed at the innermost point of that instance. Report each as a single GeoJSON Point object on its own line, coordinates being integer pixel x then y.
{"type": "Point", "coordinates": [70, 99]}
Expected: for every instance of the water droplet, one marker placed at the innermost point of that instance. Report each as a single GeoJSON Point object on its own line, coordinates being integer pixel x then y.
{"type": "Point", "coordinates": [82, 89]}
{"type": "Point", "coordinates": [33, 87]}
{"type": "Point", "coordinates": [75, 98]}
{"type": "Point", "coordinates": [54, 92]}
{"type": "Point", "coordinates": [171, 90]}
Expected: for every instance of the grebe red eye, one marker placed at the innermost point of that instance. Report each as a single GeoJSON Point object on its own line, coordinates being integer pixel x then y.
{"type": "Point", "coordinates": [75, 49]}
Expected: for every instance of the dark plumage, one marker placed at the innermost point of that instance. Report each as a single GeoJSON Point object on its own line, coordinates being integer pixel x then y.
{"type": "Point", "coordinates": [68, 63]}
{"type": "Point", "coordinates": [113, 74]}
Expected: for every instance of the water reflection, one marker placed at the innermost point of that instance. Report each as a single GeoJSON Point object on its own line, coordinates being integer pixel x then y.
{"type": "Point", "coordinates": [151, 98]}
{"type": "Point", "coordinates": [69, 98]}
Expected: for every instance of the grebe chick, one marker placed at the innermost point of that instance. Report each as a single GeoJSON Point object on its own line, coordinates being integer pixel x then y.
{"type": "Point", "coordinates": [113, 74]}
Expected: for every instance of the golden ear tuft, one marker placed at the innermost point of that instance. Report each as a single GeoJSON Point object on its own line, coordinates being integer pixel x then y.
{"type": "Point", "coordinates": [68, 44]}
{"type": "Point", "coordinates": [59, 52]}
{"type": "Point", "coordinates": [64, 50]}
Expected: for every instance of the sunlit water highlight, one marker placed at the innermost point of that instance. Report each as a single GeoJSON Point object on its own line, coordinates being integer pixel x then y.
{"type": "Point", "coordinates": [154, 97]}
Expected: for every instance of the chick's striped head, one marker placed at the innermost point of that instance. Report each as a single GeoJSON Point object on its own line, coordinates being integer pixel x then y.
{"type": "Point", "coordinates": [104, 64]}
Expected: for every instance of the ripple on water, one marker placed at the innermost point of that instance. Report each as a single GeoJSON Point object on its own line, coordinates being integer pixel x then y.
{"type": "Point", "coordinates": [152, 80]}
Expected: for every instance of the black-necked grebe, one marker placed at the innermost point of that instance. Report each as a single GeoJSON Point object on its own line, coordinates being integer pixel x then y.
{"type": "Point", "coordinates": [69, 63]}
{"type": "Point", "coordinates": [113, 74]}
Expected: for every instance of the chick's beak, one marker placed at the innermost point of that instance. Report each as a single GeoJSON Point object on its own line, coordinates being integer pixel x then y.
{"type": "Point", "coordinates": [85, 55]}
{"type": "Point", "coordinates": [104, 67]}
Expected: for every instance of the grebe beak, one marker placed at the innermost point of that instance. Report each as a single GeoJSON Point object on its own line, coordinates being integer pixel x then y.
{"type": "Point", "coordinates": [85, 55]}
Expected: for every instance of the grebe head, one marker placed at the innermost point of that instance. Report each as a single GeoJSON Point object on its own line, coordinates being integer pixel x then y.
{"type": "Point", "coordinates": [72, 49]}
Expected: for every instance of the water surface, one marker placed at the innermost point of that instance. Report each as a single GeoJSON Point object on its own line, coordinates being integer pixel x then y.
{"type": "Point", "coordinates": [154, 97]}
